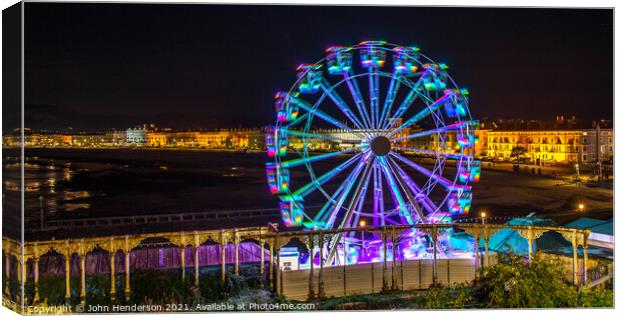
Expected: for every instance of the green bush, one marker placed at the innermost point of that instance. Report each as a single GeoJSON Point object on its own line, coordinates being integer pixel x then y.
{"type": "Point", "coordinates": [516, 283]}
{"type": "Point", "coordinates": [598, 297]}
{"type": "Point", "coordinates": [440, 297]}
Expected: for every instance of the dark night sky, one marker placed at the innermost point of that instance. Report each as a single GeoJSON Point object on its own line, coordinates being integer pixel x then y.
{"type": "Point", "coordinates": [95, 66]}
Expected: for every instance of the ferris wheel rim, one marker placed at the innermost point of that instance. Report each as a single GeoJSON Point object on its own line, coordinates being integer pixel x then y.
{"type": "Point", "coordinates": [439, 161]}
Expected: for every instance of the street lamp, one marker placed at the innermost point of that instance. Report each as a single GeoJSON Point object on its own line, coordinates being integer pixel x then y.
{"type": "Point", "coordinates": [581, 207]}
{"type": "Point", "coordinates": [363, 224]}
{"type": "Point", "coordinates": [483, 215]}
{"type": "Point", "coordinates": [577, 169]}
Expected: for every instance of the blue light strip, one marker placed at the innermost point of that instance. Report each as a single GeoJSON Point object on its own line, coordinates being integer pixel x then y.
{"type": "Point", "coordinates": [347, 189]}
{"type": "Point", "coordinates": [333, 95]}
{"type": "Point", "coordinates": [310, 187]}
{"type": "Point", "coordinates": [378, 206]}
{"type": "Point", "coordinates": [414, 207]}
{"type": "Point", "coordinates": [426, 202]}
{"type": "Point", "coordinates": [420, 115]}
{"type": "Point", "coordinates": [373, 83]}
{"type": "Point", "coordinates": [393, 185]}
{"type": "Point", "coordinates": [326, 137]}
{"type": "Point", "coordinates": [301, 161]}
{"type": "Point", "coordinates": [389, 99]}
{"type": "Point", "coordinates": [443, 181]}
{"type": "Point", "coordinates": [408, 101]}
{"type": "Point", "coordinates": [318, 113]}
{"type": "Point", "coordinates": [357, 97]}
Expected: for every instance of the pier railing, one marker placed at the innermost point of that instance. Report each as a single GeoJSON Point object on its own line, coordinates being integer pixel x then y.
{"type": "Point", "coordinates": [22, 259]}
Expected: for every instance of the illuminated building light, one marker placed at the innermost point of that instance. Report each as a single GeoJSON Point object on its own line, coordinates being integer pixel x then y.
{"type": "Point", "coordinates": [310, 78]}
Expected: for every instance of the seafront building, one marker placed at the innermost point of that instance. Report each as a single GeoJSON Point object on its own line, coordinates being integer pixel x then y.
{"type": "Point", "coordinates": [553, 146]}
{"type": "Point", "coordinates": [541, 146]}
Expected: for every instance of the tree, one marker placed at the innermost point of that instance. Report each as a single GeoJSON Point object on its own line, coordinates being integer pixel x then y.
{"type": "Point", "coordinates": [517, 152]}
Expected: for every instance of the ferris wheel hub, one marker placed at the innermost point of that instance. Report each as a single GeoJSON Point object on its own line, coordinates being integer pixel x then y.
{"type": "Point", "coordinates": [380, 146]}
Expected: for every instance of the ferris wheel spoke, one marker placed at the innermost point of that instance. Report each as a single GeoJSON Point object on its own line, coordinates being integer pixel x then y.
{"type": "Point", "coordinates": [310, 187]}
{"type": "Point", "coordinates": [420, 115]}
{"type": "Point", "coordinates": [426, 202]}
{"type": "Point", "coordinates": [403, 209]}
{"type": "Point", "coordinates": [297, 121]}
{"type": "Point", "coordinates": [441, 180]}
{"type": "Point", "coordinates": [357, 98]}
{"type": "Point", "coordinates": [451, 127]}
{"type": "Point", "coordinates": [301, 161]}
{"type": "Point", "coordinates": [378, 206]}
{"type": "Point", "coordinates": [318, 113]}
{"type": "Point", "coordinates": [360, 205]}
{"type": "Point", "coordinates": [414, 209]}
{"type": "Point", "coordinates": [373, 83]}
{"type": "Point", "coordinates": [352, 204]}
{"type": "Point", "coordinates": [413, 94]}
{"type": "Point", "coordinates": [335, 97]}
{"type": "Point", "coordinates": [321, 216]}
{"type": "Point", "coordinates": [389, 99]}
{"type": "Point", "coordinates": [348, 186]}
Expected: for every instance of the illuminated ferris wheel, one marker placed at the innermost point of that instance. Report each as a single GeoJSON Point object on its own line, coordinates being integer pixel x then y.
{"type": "Point", "coordinates": [400, 141]}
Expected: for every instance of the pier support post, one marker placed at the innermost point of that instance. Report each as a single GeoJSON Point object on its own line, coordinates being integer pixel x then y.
{"type": "Point", "coordinates": [21, 277]}
{"type": "Point", "coordinates": [384, 287]}
{"type": "Point", "coordinates": [112, 277]}
{"type": "Point", "coordinates": [236, 247]}
{"type": "Point", "coordinates": [182, 248]}
{"type": "Point", "coordinates": [321, 285]}
{"type": "Point", "coordinates": [278, 281]}
{"type": "Point", "coordinates": [586, 234]}
{"type": "Point", "coordinates": [271, 283]}
{"type": "Point", "coordinates": [575, 249]}
{"type": "Point", "coordinates": [530, 240]}
{"type": "Point", "coordinates": [261, 243]}
{"type": "Point", "coordinates": [35, 272]}
{"type": "Point", "coordinates": [476, 254]}
{"type": "Point", "coordinates": [7, 270]}
{"type": "Point", "coordinates": [434, 238]}
{"type": "Point", "coordinates": [393, 240]}
{"type": "Point", "coordinates": [83, 278]}
{"type": "Point", "coordinates": [485, 259]}
{"type": "Point", "coordinates": [67, 278]}
{"type": "Point", "coordinates": [196, 265]}
{"type": "Point", "coordinates": [127, 276]}
{"type": "Point", "coordinates": [223, 262]}
{"type": "Point", "coordinates": [344, 266]}
{"type": "Point", "coordinates": [311, 293]}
